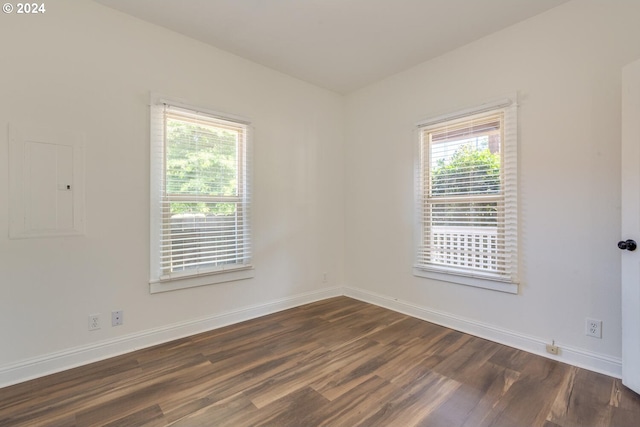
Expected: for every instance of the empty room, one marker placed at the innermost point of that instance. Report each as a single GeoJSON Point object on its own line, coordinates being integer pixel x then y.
{"type": "Point", "coordinates": [320, 212]}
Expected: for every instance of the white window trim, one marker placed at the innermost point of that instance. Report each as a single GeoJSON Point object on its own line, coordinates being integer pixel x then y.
{"type": "Point", "coordinates": [492, 284]}
{"type": "Point", "coordinates": [176, 283]}
{"type": "Point", "coordinates": [157, 282]}
{"type": "Point", "coordinates": [510, 144]}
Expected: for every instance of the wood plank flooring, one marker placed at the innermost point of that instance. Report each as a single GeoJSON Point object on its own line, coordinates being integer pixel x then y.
{"type": "Point", "coordinates": [337, 362]}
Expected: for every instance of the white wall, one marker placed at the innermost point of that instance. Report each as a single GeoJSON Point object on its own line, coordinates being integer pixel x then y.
{"type": "Point", "coordinates": [566, 67]}
{"type": "Point", "coordinates": [90, 68]}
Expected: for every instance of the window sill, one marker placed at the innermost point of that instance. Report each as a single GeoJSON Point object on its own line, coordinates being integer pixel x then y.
{"type": "Point", "coordinates": [157, 286]}
{"type": "Point", "coordinates": [494, 285]}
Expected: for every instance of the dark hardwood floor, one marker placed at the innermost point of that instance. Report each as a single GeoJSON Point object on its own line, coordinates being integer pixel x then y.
{"type": "Point", "coordinates": [337, 362]}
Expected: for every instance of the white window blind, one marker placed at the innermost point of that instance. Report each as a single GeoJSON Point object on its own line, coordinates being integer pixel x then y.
{"type": "Point", "coordinates": [200, 193]}
{"type": "Point", "coordinates": [467, 198]}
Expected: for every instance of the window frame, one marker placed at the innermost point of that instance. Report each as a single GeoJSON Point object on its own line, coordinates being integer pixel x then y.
{"type": "Point", "coordinates": [507, 282]}
{"type": "Point", "coordinates": [160, 281]}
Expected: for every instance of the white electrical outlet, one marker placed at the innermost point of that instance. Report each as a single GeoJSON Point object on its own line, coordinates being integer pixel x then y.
{"type": "Point", "coordinates": [593, 328]}
{"type": "Point", "coordinates": [94, 322]}
{"type": "Point", "coordinates": [117, 318]}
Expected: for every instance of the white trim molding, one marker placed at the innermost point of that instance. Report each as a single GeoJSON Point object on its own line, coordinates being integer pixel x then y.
{"type": "Point", "coordinates": [487, 256]}
{"type": "Point", "coordinates": [581, 358]}
{"type": "Point", "coordinates": [82, 355]}
{"type": "Point", "coordinates": [478, 282]}
{"type": "Point", "coordinates": [67, 359]}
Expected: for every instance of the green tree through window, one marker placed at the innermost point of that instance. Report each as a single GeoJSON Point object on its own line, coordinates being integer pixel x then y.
{"type": "Point", "coordinates": [469, 171]}
{"type": "Point", "coordinates": [201, 161]}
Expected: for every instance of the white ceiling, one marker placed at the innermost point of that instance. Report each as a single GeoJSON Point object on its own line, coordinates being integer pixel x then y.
{"type": "Point", "coordinates": [341, 45]}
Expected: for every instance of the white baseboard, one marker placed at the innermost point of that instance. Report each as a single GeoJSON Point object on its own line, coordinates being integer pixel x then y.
{"type": "Point", "coordinates": [83, 355]}
{"type": "Point", "coordinates": [601, 363]}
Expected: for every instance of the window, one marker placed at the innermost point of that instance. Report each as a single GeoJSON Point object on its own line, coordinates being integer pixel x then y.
{"type": "Point", "coordinates": [200, 204]}
{"type": "Point", "coordinates": [467, 207]}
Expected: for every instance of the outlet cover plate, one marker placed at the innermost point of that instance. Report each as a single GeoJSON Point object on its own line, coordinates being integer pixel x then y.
{"type": "Point", "coordinates": [593, 328]}
{"type": "Point", "coordinates": [94, 322]}
{"type": "Point", "coordinates": [117, 318]}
